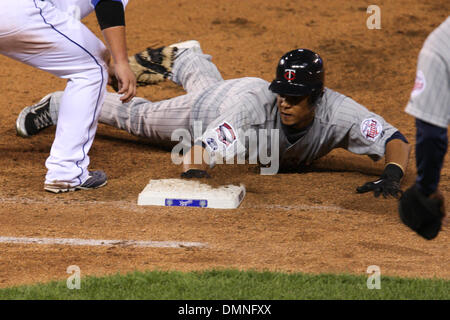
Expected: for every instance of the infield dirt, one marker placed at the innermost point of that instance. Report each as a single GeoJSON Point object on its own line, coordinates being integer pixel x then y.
{"type": "Point", "coordinates": [311, 222]}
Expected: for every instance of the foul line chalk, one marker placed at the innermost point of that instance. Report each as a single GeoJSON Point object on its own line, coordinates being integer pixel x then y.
{"type": "Point", "coordinates": [92, 242]}
{"type": "Point", "coordinates": [309, 208]}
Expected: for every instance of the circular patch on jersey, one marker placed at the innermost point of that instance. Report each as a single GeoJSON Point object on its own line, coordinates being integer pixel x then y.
{"type": "Point", "coordinates": [226, 134]}
{"type": "Point", "coordinates": [371, 129]}
{"type": "Point", "coordinates": [419, 84]}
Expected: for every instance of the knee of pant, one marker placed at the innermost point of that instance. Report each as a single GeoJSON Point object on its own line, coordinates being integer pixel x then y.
{"type": "Point", "coordinates": [97, 68]}
{"type": "Point", "coordinates": [95, 74]}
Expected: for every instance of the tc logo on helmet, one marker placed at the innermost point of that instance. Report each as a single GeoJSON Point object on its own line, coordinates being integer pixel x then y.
{"type": "Point", "coordinates": [289, 74]}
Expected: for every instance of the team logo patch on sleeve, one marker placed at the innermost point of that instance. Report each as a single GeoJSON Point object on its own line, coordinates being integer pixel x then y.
{"type": "Point", "coordinates": [226, 134]}
{"type": "Point", "coordinates": [419, 84]}
{"type": "Point", "coordinates": [371, 129]}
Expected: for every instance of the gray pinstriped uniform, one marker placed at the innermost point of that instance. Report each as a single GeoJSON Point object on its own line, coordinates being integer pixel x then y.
{"type": "Point", "coordinates": [244, 103]}
{"type": "Point", "coordinates": [430, 98]}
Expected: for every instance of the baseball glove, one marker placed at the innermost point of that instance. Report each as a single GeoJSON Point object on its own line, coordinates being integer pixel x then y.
{"type": "Point", "coordinates": [422, 214]}
{"type": "Point", "coordinates": [150, 66]}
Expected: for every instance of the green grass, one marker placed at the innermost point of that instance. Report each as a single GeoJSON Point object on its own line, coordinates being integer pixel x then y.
{"type": "Point", "coordinates": [233, 285]}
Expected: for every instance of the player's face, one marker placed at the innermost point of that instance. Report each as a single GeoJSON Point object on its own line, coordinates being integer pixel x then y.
{"type": "Point", "coordinates": [295, 111]}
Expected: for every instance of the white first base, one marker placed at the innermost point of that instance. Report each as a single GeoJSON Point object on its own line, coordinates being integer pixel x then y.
{"type": "Point", "coordinates": [186, 193]}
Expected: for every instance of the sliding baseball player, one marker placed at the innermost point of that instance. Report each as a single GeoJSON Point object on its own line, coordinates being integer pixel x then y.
{"type": "Point", "coordinates": [310, 119]}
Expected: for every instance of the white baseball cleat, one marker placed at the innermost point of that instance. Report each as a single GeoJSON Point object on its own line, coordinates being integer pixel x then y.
{"type": "Point", "coordinates": [186, 45]}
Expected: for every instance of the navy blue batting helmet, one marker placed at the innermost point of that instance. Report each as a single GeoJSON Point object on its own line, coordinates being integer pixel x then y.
{"type": "Point", "coordinates": [300, 72]}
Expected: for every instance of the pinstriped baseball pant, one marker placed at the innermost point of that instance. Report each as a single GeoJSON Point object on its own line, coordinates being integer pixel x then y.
{"type": "Point", "coordinates": [157, 120]}
{"type": "Point", "coordinates": [209, 100]}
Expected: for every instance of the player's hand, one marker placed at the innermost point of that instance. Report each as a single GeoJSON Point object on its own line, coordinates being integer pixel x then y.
{"type": "Point", "coordinates": [195, 173]}
{"type": "Point", "coordinates": [387, 185]}
{"type": "Point", "coordinates": [126, 81]}
{"type": "Point", "coordinates": [192, 168]}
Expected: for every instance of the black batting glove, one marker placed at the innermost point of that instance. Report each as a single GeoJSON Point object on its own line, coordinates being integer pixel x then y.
{"type": "Point", "coordinates": [195, 173]}
{"type": "Point", "coordinates": [387, 185]}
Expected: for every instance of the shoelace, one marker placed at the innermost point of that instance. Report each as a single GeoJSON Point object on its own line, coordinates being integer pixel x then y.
{"type": "Point", "coordinates": [43, 119]}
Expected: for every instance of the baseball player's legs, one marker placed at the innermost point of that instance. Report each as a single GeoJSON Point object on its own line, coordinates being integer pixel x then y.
{"type": "Point", "coordinates": [54, 42]}
{"type": "Point", "coordinates": [239, 102]}
{"type": "Point", "coordinates": [194, 70]}
{"type": "Point", "coordinates": [77, 123]}
{"type": "Point", "coordinates": [152, 120]}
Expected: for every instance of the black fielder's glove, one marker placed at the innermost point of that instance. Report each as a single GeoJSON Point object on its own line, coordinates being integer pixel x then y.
{"type": "Point", "coordinates": [195, 173]}
{"type": "Point", "coordinates": [387, 185]}
{"type": "Point", "coordinates": [421, 213]}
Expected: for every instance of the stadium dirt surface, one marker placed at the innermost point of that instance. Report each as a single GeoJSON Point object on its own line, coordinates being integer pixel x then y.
{"type": "Point", "coordinates": [312, 222]}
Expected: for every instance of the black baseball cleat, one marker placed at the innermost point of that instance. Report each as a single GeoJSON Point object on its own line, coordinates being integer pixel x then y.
{"type": "Point", "coordinates": [35, 118]}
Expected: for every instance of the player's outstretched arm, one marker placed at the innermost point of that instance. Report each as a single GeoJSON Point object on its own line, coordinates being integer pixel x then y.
{"type": "Point", "coordinates": [195, 163]}
{"type": "Point", "coordinates": [111, 18]}
{"type": "Point", "coordinates": [397, 152]}
{"type": "Point", "coordinates": [396, 155]}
